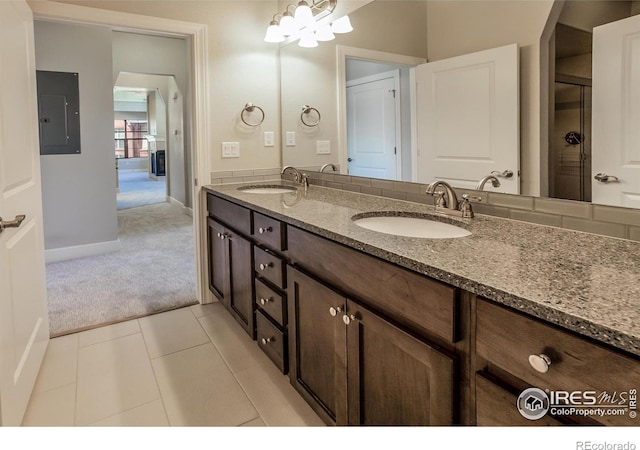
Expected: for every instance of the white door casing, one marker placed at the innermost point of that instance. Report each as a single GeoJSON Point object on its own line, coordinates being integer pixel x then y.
{"type": "Point", "coordinates": [616, 113]}
{"type": "Point", "coordinates": [197, 35]}
{"type": "Point", "coordinates": [24, 325]}
{"type": "Point", "coordinates": [373, 126]}
{"type": "Point", "coordinates": [468, 119]}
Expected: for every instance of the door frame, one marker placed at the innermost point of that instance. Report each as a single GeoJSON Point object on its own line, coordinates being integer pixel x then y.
{"type": "Point", "coordinates": [344, 52]}
{"type": "Point", "coordinates": [395, 75]}
{"type": "Point", "coordinates": [196, 35]}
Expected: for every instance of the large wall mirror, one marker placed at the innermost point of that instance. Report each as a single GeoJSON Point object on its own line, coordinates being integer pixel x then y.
{"type": "Point", "coordinates": [556, 97]}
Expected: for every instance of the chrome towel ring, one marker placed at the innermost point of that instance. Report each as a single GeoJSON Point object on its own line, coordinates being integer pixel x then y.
{"type": "Point", "coordinates": [249, 108]}
{"type": "Point", "coordinates": [306, 110]}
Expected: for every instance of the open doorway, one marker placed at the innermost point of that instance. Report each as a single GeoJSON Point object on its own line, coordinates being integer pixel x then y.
{"type": "Point", "coordinates": [151, 266]}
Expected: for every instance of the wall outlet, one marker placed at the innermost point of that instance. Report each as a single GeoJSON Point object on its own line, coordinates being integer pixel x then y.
{"type": "Point", "coordinates": [231, 149]}
{"type": "Point", "coordinates": [291, 138]}
{"type": "Point", "coordinates": [268, 139]}
{"type": "Point", "coordinates": [323, 147]}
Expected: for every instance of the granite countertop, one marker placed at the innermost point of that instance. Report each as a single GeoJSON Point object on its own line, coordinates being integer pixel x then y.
{"type": "Point", "coordinates": [583, 282]}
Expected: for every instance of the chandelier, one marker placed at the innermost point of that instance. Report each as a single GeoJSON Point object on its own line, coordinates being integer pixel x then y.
{"type": "Point", "coordinates": [304, 24]}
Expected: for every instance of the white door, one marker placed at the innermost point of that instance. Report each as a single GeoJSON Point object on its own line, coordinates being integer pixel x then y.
{"type": "Point", "coordinates": [24, 326]}
{"type": "Point", "coordinates": [468, 121]}
{"type": "Point", "coordinates": [616, 113]}
{"type": "Point", "coordinates": [373, 119]}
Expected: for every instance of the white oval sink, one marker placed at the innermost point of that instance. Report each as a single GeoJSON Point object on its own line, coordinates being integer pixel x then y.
{"type": "Point", "coordinates": [419, 227]}
{"type": "Point", "coordinates": [267, 189]}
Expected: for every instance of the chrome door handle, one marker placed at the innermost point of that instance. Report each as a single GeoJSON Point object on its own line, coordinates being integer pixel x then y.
{"type": "Point", "coordinates": [15, 223]}
{"type": "Point", "coordinates": [504, 174]}
{"type": "Point", "coordinates": [604, 178]}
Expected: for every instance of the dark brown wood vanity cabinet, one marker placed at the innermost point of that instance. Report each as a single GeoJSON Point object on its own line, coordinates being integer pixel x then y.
{"type": "Point", "coordinates": [357, 366]}
{"type": "Point", "coordinates": [230, 259]}
{"type": "Point", "coordinates": [593, 375]}
{"type": "Point", "coordinates": [270, 239]}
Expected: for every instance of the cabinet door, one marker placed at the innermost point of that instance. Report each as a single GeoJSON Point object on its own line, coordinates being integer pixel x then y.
{"type": "Point", "coordinates": [394, 378]}
{"type": "Point", "coordinates": [217, 260]}
{"type": "Point", "coordinates": [317, 346]}
{"type": "Point", "coordinates": [240, 294]}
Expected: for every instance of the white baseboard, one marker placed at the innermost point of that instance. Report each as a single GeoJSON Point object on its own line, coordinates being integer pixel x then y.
{"type": "Point", "coordinates": [80, 251]}
{"type": "Point", "coordinates": [185, 209]}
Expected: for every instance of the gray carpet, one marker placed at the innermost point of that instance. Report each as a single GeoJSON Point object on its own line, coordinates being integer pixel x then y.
{"type": "Point", "coordinates": [137, 189]}
{"type": "Point", "coordinates": [154, 271]}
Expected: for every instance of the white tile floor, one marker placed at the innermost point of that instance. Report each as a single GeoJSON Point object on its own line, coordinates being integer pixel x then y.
{"type": "Point", "coordinates": [191, 366]}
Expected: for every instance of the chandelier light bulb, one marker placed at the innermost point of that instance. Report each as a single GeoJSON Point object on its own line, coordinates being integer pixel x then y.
{"type": "Point", "coordinates": [303, 15]}
{"type": "Point", "coordinates": [324, 33]}
{"type": "Point", "coordinates": [342, 25]}
{"type": "Point", "coordinates": [274, 35]}
{"type": "Point", "coordinates": [307, 40]}
{"type": "Point", "coordinates": [288, 25]}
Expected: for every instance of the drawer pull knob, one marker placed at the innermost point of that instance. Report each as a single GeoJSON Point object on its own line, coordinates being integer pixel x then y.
{"type": "Point", "coordinates": [347, 319]}
{"type": "Point", "coordinates": [264, 230]}
{"type": "Point", "coordinates": [334, 311]}
{"type": "Point", "coordinates": [264, 301]}
{"type": "Point", "coordinates": [223, 236]}
{"type": "Point", "coordinates": [540, 362]}
{"type": "Point", "coordinates": [265, 341]}
{"type": "Point", "coordinates": [265, 266]}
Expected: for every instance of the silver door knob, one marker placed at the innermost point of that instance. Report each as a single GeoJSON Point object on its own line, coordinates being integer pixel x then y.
{"type": "Point", "coordinates": [540, 362]}
{"type": "Point", "coordinates": [604, 178]}
{"type": "Point", "coordinates": [265, 266]}
{"type": "Point", "coordinates": [264, 301]}
{"type": "Point", "coordinates": [265, 341]}
{"type": "Point", "coordinates": [264, 230]}
{"type": "Point", "coordinates": [347, 319]}
{"type": "Point", "coordinates": [335, 310]}
{"type": "Point", "coordinates": [15, 223]}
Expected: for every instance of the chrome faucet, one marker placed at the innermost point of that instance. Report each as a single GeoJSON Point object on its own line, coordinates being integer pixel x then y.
{"type": "Point", "coordinates": [296, 173]}
{"type": "Point", "coordinates": [441, 202]}
{"type": "Point", "coordinates": [298, 177]}
{"type": "Point", "coordinates": [494, 182]}
{"type": "Point", "coordinates": [333, 167]}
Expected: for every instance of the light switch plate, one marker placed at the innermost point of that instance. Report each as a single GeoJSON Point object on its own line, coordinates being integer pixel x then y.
{"type": "Point", "coordinates": [291, 138]}
{"type": "Point", "coordinates": [323, 147]}
{"type": "Point", "coordinates": [231, 149]}
{"type": "Point", "coordinates": [268, 139]}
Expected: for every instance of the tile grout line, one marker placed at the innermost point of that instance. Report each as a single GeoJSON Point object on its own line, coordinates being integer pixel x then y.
{"type": "Point", "coordinates": [226, 363]}
{"type": "Point", "coordinates": [155, 376]}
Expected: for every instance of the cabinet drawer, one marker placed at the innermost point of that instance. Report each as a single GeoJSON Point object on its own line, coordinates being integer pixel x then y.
{"type": "Point", "coordinates": [272, 341]}
{"type": "Point", "coordinates": [496, 407]}
{"type": "Point", "coordinates": [271, 303]}
{"type": "Point", "coordinates": [269, 266]}
{"type": "Point", "coordinates": [235, 216]}
{"type": "Point", "coordinates": [411, 299]}
{"type": "Point", "coordinates": [269, 232]}
{"type": "Point", "coordinates": [507, 339]}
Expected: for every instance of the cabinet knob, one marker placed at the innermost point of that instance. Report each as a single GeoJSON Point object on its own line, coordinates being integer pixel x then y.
{"type": "Point", "coordinates": [265, 341]}
{"type": "Point", "coordinates": [540, 362]}
{"type": "Point", "coordinates": [264, 301]}
{"type": "Point", "coordinates": [347, 319]}
{"type": "Point", "coordinates": [223, 236]}
{"type": "Point", "coordinates": [264, 230]}
{"type": "Point", "coordinates": [265, 266]}
{"type": "Point", "coordinates": [335, 310]}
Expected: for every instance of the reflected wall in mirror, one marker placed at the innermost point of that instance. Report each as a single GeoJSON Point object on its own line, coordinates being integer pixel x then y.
{"type": "Point", "coordinates": [437, 30]}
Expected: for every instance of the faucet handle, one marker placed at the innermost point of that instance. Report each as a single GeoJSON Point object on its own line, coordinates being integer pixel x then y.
{"type": "Point", "coordinates": [466, 198]}
{"type": "Point", "coordinates": [465, 205]}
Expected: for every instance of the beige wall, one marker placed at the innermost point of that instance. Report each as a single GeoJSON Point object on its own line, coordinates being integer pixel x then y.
{"type": "Point", "coordinates": [242, 68]}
